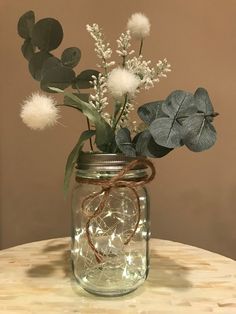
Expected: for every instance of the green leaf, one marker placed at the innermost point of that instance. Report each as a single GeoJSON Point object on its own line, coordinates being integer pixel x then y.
{"type": "Point", "coordinates": [151, 111]}
{"type": "Point", "coordinates": [36, 64]}
{"type": "Point", "coordinates": [104, 133]}
{"type": "Point", "coordinates": [50, 63]}
{"type": "Point", "coordinates": [25, 25]}
{"type": "Point", "coordinates": [198, 133]}
{"type": "Point", "coordinates": [57, 90]}
{"type": "Point", "coordinates": [83, 96]}
{"type": "Point", "coordinates": [47, 34]}
{"type": "Point", "coordinates": [58, 76]}
{"type": "Point", "coordinates": [28, 49]}
{"type": "Point", "coordinates": [71, 103]}
{"type": "Point", "coordinates": [123, 141]}
{"type": "Point", "coordinates": [179, 104]}
{"type": "Point", "coordinates": [71, 56]}
{"type": "Point", "coordinates": [204, 103]}
{"type": "Point", "coordinates": [84, 78]}
{"type": "Point", "coordinates": [146, 146]}
{"type": "Point", "coordinates": [72, 158]}
{"type": "Point", "coordinates": [166, 132]}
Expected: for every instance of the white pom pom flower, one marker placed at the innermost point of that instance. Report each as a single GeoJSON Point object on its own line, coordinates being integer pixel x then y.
{"type": "Point", "coordinates": [121, 82]}
{"type": "Point", "coordinates": [39, 111]}
{"type": "Point", "coordinates": [138, 25]}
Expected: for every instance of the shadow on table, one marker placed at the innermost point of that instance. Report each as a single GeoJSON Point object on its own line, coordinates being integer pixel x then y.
{"type": "Point", "coordinates": [166, 272]}
{"type": "Point", "coordinates": [61, 261]}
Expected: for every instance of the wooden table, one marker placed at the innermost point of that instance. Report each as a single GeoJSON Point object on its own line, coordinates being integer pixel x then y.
{"type": "Point", "coordinates": [36, 278]}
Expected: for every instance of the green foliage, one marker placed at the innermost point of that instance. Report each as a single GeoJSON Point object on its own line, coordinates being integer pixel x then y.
{"type": "Point", "coordinates": [203, 102]}
{"type": "Point", "coordinates": [198, 132]}
{"type": "Point", "coordinates": [84, 78]}
{"type": "Point", "coordinates": [83, 96]}
{"type": "Point", "coordinates": [183, 118]}
{"type": "Point", "coordinates": [47, 34]}
{"type": "Point", "coordinates": [55, 74]}
{"type": "Point", "coordinates": [146, 146]}
{"type": "Point", "coordinates": [124, 143]}
{"type": "Point", "coordinates": [25, 25]}
{"type": "Point", "coordinates": [72, 158]}
{"type": "Point", "coordinates": [71, 57]}
{"type": "Point", "coordinates": [178, 104]}
{"type": "Point", "coordinates": [150, 111]}
{"type": "Point", "coordinates": [25, 28]}
{"type": "Point", "coordinates": [28, 49]}
{"type": "Point", "coordinates": [50, 63]}
{"type": "Point", "coordinates": [104, 133]}
{"type": "Point", "coordinates": [36, 64]}
{"type": "Point", "coordinates": [166, 131]}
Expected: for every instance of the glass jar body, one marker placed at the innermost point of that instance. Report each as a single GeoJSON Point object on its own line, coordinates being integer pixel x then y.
{"type": "Point", "coordinates": [110, 245]}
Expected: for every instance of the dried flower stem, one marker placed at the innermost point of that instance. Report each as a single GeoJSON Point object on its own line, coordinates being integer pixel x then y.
{"type": "Point", "coordinates": [141, 47]}
{"type": "Point", "coordinates": [122, 111]}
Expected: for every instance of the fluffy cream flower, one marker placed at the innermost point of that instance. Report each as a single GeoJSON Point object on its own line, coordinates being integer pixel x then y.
{"type": "Point", "coordinates": [138, 25]}
{"type": "Point", "coordinates": [121, 81]}
{"type": "Point", "coordinates": [39, 111]}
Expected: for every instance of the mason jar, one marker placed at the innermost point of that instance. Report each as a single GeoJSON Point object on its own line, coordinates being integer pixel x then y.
{"type": "Point", "coordinates": [110, 224]}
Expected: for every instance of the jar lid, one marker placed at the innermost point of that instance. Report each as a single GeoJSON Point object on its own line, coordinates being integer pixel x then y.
{"type": "Point", "coordinates": [102, 161]}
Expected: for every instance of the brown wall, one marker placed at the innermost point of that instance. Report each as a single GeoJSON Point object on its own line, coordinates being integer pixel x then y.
{"type": "Point", "coordinates": [194, 195]}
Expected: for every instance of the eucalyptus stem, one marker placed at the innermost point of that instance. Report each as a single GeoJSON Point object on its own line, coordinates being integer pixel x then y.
{"type": "Point", "coordinates": [90, 140]}
{"type": "Point", "coordinates": [141, 47]}
{"type": "Point", "coordinates": [122, 111]}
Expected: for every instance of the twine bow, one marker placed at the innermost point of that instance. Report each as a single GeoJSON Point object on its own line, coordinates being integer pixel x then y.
{"type": "Point", "coordinates": [106, 186]}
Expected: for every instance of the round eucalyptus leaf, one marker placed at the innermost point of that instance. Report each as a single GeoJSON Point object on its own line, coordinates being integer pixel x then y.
{"type": "Point", "coordinates": [71, 57]}
{"type": "Point", "coordinates": [84, 78]}
{"type": "Point", "coordinates": [155, 150]}
{"type": "Point", "coordinates": [150, 111]}
{"type": "Point", "coordinates": [28, 49]}
{"type": "Point", "coordinates": [179, 104]}
{"type": "Point", "coordinates": [36, 64]}
{"type": "Point", "coordinates": [58, 76]}
{"type": "Point", "coordinates": [166, 132]}
{"type": "Point", "coordinates": [123, 141]}
{"type": "Point", "coordinates": [47, 34]}
{"type": "Point", "coordinates": [198, 133]}
{"type": "Point", "coordinates": [50, 63]}
{"type": "Point", "coordinates": [25, 25]}
{"type": "Point", "coordinates": [203, 101]}
{"type": "Point", "coordinates": [146, 146]}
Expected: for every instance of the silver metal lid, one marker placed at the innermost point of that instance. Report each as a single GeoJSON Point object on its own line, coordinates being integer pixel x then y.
{"type": "Point", "coordinates": [101, 161]}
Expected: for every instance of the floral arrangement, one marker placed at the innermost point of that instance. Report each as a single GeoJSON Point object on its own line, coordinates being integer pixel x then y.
{"type": "Point", "coordinates": [183, 118]}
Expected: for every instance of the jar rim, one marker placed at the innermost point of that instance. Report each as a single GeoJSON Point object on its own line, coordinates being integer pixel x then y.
{"type": "Point", "coordinates": [109, 161]}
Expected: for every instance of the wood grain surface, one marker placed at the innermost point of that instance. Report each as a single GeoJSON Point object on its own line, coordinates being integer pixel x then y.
{"type": "Point", "coordinates": [36, 278]}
